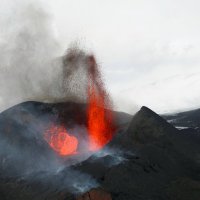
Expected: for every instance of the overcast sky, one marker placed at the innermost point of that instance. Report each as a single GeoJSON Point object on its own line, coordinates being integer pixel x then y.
{"type": "Point", "coordinates": [149, 50]}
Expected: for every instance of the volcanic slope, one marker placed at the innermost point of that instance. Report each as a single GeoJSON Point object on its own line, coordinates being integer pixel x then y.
{"type": "Point", "coordinates": [147, 159]}
{"type": "Point", "coordinates": [23, 126]}
{"type": "Point", "coordinates": [157, 162]}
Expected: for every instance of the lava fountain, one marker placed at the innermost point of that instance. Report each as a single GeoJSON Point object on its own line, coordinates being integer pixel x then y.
{"type": "Point", "coordinates": [100, 126]}
{"type": "Point", "coordinates": [100, 119]}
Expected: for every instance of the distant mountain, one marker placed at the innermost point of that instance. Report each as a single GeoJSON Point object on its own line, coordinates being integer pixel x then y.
{"type": "Point", "coordinates": [184, 120]}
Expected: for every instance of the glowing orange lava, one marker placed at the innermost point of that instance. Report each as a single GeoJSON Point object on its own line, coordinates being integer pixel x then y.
{"type": "Point", "coordinates": [61, 141]}
{"type": "Point", "coordinates": [99, 118]}
{"type": "Point", "coordinates": [99, 129]}
{"type": "Point", "coordinates": [100, 121]}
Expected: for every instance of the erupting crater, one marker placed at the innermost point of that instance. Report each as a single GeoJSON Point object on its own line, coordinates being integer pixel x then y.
{"type": "Point", "coordinates": [99, 117]}
{"type": "Point", "coordinates": [61, 141]}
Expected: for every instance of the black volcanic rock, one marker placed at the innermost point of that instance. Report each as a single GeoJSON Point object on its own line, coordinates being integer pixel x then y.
{"type": "Point", "coordinates": [95, 194]}
{"type": "Point", "coordinates": [147, 159]}
{"type": "Point", "coordinates": [162, 162]}
{"type": "Point", "coordinates": [145, 127]}
{"type": "Point", "coordinates": [24, 150]}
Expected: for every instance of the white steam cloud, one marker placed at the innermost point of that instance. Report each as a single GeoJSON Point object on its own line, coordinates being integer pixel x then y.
{"type": "Point", "coordinates": [27, 49]}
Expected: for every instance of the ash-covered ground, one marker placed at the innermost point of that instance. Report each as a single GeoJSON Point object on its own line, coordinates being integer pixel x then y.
{"type": "Point", "coordinates": [148, 158]}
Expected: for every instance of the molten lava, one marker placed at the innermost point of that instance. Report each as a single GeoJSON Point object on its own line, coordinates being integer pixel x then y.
{"type": "Point", "coordinates": [99, 117]}
{"type": "Point", "coordinates": [100, 121]}
{"type": "Point", "coordinates": [61, 141]}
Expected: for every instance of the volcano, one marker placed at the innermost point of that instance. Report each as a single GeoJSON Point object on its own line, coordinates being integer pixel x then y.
{"type": "Point", "coordinates": [147, 158]}
{"type": "Point", "coordinates": [82, 76]}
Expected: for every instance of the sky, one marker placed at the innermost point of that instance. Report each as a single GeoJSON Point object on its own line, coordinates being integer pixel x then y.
{"type": "Point", "coordinates": [149, 50]}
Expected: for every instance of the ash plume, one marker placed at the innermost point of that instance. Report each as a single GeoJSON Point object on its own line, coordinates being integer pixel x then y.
{"type": "Point", "coordinates": [30, 67]}
{"type": "Point", "coordinates": [26, 49]}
